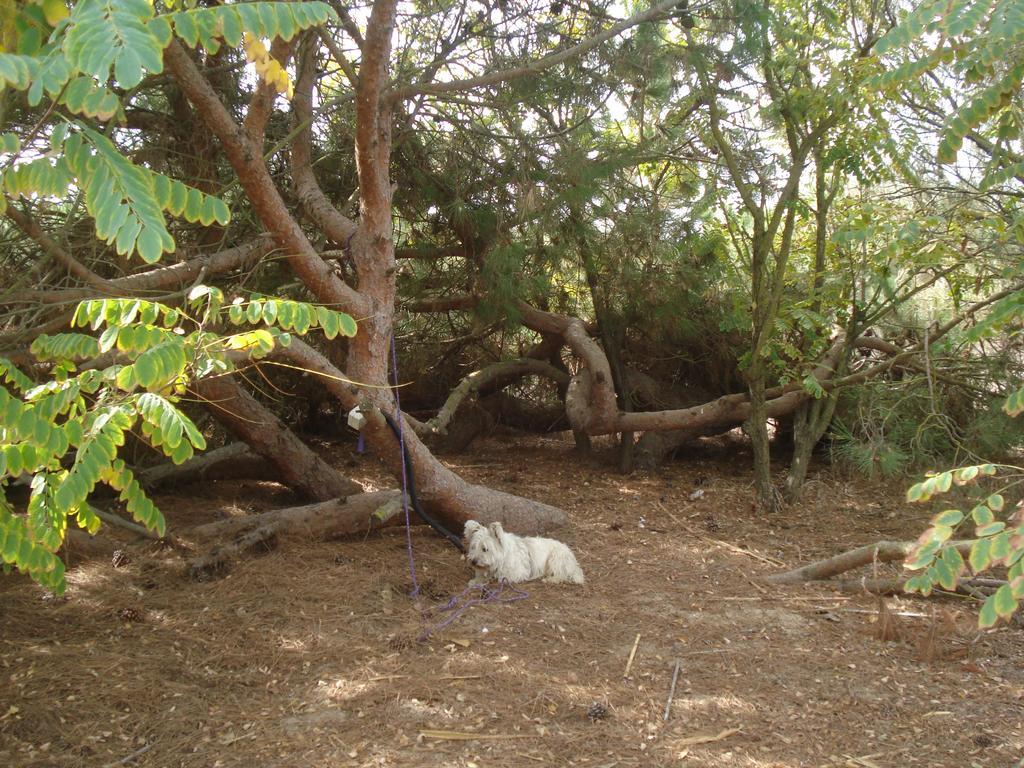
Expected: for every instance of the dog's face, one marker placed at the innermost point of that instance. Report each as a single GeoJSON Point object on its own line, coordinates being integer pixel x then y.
{"type": "Point", "coordinates": [483, 545]}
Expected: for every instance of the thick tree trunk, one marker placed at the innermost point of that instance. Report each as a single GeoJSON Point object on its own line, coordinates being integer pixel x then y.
{"type": "Point", "coordinates": [809, 424]}
{"type": "Point", "coordinates": [337, 517]}
{"type": "Point", "coordinates": [297, 465]}
{"type": "Point", "coordinates": [328, 519]}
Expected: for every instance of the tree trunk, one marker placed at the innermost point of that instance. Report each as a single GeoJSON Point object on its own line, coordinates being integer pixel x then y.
{"type": "Point", "coordinates": [810, 421]}
{"type": "Point", "coordinates": [328, 519]}
{"type": "Point", "coordinates": [768, 498]}
{"type": "Point", "coordinates": [813, 417]}
{"type": "Point", "coordinates": [337, 517]}
{"type": "Point", "coordinates": [297, 465]}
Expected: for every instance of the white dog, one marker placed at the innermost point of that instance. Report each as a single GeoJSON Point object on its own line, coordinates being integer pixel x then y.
{"type": "Point", "coordinates": [498, 555]}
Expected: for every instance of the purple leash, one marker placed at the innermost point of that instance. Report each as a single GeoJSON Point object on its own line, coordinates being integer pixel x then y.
{"type": "Point", "coordinates": [459, 604]}
{"type": "Point", "coordinates": [405, 480]}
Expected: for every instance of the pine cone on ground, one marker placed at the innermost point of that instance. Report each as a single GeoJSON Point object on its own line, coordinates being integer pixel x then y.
{"type": "Point", "coordinates": [120, 558]}
{"type": "Point", "coordinates": [597, 711]}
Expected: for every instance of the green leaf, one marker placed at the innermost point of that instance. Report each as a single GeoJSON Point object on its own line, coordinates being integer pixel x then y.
{"type": "Point", "coordinates": [979, 558]}
{"type": "Point", "coordinates": [328, 321]}
{"type": "Point", "coordinates": [990, 529]}
{"type": "Point", "coordinates": [946, 576]}
{"type": "Point", "coordinates": [1004, 602]}
{"type": "Point", "coordinates": [988, 616]}
{"type": "Point", "coordinates": [270, 307]}
{"type": "Point", "coordinates": [347, 325]}
{"type": "Point", "coordinates": [965, 475]}
{"type": "Point", "coordinates": [102, 33]}
{"type": "Point", "coordinates": [150, 245]}
{"type": "Point", "coordinates": [951, 517]}
{"type": "Point", "coordinates": [982, 515]}
{"type": "Point", "coordinates": [1000, 549]}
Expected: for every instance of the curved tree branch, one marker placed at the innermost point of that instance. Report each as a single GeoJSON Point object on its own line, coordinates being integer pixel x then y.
{"type": "Point", "coordinates": [494, 376]}
{"type": "Point", "coordinates": [329, 219]}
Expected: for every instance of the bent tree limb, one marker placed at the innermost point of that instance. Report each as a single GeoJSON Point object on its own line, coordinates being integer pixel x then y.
{"type": "Point", "coordinates": [494, 376]}
{"type": "Point", "coordinates": [879, 552]}
{"type": "Point", "coordinates": [235, 460]}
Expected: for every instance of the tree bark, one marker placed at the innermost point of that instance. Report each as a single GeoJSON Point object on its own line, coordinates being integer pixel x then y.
{"type": "Point", "coordinates": [811, 420]}
{"type": "Point", "coordinates": [879, 552]}
{"type": "Point", "coordinates": [768, 497]}
{"type": "Point", "coordinates": [297, 465]}
{"type": "Point", "coordinates": [235, 460]}
{"type": "Point", "coordinates": [337, 517]}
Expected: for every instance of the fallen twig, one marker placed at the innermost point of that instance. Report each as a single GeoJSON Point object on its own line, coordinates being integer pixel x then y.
{"type": "Point", "coordinates": [632, 655]}
{"type": "Point", "coordinates": [129, 758]}
{"type": "Point", "coordinates": [672, 690]}
{"type": "Point", "coordinates": [879, 552]}
{"type": "Point", "coordinates": [747, 552]}
{"type": "Point", "coordinates": [466, 736]}
{"type": "Point", "coordinates": [703, 738]}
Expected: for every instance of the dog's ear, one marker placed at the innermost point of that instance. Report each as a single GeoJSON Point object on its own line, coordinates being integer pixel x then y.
{"type": "Point", "coordinates": [496, 530]}
{"type": "Point", "coordinates": [472, 526]}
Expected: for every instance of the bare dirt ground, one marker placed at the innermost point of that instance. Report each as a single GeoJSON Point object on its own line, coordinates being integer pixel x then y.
{"type": "Point", "coordinates": [308, 656]}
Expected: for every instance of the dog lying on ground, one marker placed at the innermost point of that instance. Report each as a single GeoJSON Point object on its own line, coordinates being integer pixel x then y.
{"type": "Point", "coordinates": [497, 555]}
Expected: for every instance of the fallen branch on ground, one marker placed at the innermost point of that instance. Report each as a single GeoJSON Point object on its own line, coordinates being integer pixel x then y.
{"type": "Point", "coordinates": [326, 519]}
{"type": "Point", "coordinates": [880, 552]}
{"type": "Point", "coordinates": [973, 587]}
